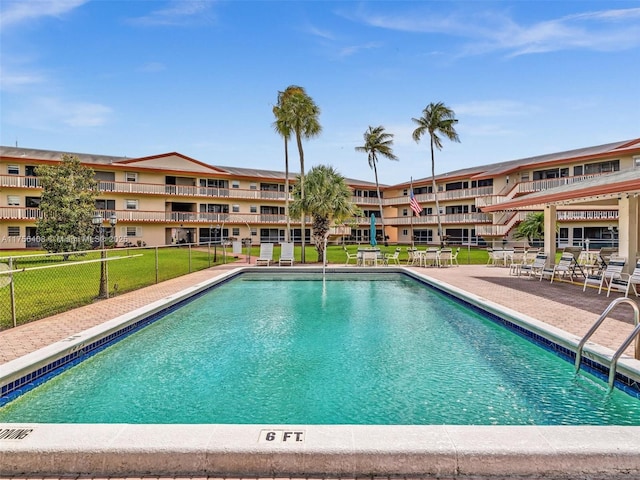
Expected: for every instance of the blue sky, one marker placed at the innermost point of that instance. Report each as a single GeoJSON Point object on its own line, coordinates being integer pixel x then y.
{"type": "Point", "coordinates": [145, 77]}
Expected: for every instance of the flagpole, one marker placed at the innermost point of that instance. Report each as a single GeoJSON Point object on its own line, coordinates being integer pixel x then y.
{"type": "Point", "coordinates": [412, 212]}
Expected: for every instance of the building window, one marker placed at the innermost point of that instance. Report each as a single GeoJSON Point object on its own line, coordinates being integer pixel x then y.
{"type": "Point", "coordinates": [133, 231]}
{"type": "Point", "coordinates": [103, 204]}
{"type": "Point", "coordinates": [235, 231]}
{"type": "Point", "coordinates": [13, 231]}
{"type": "Point", "coordinates": [405, 192]}
{"type": "Point", "coordinates": [254, 232]}
{"type": "Point", "coordinates": [636, 162]}
{"type": "Point", "coordinates": [130, 177]}
{"type": "Point", "coordinates": [235, 184]}
{"type": "Point", "coordinates": [131, 204]}
{"type": "Point", "coordinates": [13, 200]}
{"type": "Point", "coordinates": [253, 209]}
{"type": "Point", "coordinates": [602, 167]}
{"type": "Point", "coordinates": [405, 212]}
{"type": "Point", "coordinates": [13, 169]}
{"type": "Point", "coordinates": [405, 232]}
{"type": "Point", "coordinates": [253, 186]}
{"type": "Point", "coordinates": [235, 208]}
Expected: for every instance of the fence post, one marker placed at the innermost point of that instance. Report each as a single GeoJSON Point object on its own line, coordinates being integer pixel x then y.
{"type": "Point", "coordinates": [12, 294]}
{"type": "Point", "coordinates": [157, 263]}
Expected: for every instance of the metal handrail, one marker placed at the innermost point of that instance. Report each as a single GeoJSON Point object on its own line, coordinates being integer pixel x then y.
{"type": "Point", "coordinates": [623, 347]}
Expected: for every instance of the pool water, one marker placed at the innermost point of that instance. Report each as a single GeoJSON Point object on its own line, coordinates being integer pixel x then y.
{"type": "Point", "coordinates": [380, 350]}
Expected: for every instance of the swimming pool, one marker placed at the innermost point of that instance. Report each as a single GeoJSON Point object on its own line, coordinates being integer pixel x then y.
{"type": "Point", "coordinates": [347, 450]}
{"type": "Point", "coordinates": [356, 349]}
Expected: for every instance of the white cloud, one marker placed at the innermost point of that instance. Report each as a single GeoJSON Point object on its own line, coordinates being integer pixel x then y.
{"type": "Point", "coordinates": [492, 108]}
{"type": "Point", "coordinates": [13, 81]}
{"type": "Point", "coordinates": [178, 13]}
{"type": "Point", "coordinates": [609, 30]}
{"type": "Point", "coordinates": [15, 12]}
{"type": "Point", "coordinates": [50, 113]}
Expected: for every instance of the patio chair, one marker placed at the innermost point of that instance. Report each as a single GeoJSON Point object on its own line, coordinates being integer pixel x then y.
{"type": "Point", "coordinates": [626, 282]}
{"type": "Point", "coordinates": [605, 277]}
{"type": "Point", "coordinates": [445, 257]}
{"type": "Point", "coordinates": [564, 267]}
{"type": "Point", "coordinates": [369, 258]}
{"type": "Point", "coordinates": [350, 256]}
{"type": "Point", "coordinates": [395, 257]}
{"type": "Point", "coordinates": [539, 262]}
{"type": "Point", "coordinates": [286, 254]}
{"type": "Point", "coordinates": [454, 257]}
{"type": "Point", "coordinates": [266, 254]}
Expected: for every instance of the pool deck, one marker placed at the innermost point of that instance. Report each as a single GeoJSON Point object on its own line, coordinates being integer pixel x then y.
{"type": "Point", "coordinates": [448, 452]}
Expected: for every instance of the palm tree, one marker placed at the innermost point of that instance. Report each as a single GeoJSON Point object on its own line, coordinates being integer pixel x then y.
{"type": "Point", "coordinates": [377, 142]}
{"type": "Point", "coordinates": [327, 199]}
{"type": "Point", "coordinates": [281, 126]}
{"type": "Point", "coordinates": [301, 115]}
{"type": "Point", "coordinates": [436, 118]}
{"type": "Point", "coordinates": [531, 228]}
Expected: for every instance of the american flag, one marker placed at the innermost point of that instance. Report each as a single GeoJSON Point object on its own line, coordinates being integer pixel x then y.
{"type": "Point", "coordinates": [413, 203]}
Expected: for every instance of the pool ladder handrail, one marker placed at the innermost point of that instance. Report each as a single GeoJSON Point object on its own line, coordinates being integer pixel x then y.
{"type": "Point", "coordinates": [625, 344]}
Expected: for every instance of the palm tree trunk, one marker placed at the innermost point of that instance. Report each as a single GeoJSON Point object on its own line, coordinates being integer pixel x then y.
{"type": "Point", "coordinates": [435, 194]}
{"type": "Point", "coordinates": [287, 235]}
{"type": "Point", "coordinates": [384, 236]}
{"type": "Point", "coordinates": [302, 222]}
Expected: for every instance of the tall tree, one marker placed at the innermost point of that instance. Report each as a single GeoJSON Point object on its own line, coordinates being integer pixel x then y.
{"type": "Point", "coordinates": [436, 119]}
{"type": "Point", "coordinates": [301, 115]}
{"type": "Point", "coordinates": [282, 127]}
{"type": "Point", "coordinates": [67, 204]}
{"type": "Point", "coordinates": [378, 142]}
{"type": "Point", "coordinates": [327, 199]}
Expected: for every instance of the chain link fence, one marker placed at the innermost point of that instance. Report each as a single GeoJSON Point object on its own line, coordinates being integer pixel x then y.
{"type": "Point", "coordinates": [37, 286]}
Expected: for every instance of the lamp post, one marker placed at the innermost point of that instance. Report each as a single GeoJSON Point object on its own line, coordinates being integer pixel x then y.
{"type": "Point", "coordinates": [97, 222]}
{"type": "Point", "coordinates": [215, 245]}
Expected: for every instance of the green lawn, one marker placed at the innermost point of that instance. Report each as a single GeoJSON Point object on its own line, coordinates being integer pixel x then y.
{"type": "Point", "coordinates": [46, 291]}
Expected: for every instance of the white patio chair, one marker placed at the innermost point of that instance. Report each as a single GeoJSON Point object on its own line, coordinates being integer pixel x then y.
{"type": "Point", "coordinates": [350, 256]}
{"type": "Point", "coordinates": [266, 254]}
{"type": "Point", "coordinates": [286, 254]}
{"type": "Point", "coordinates": [627, 282]}
{"type": "Point", "coordinates": [613, 271]}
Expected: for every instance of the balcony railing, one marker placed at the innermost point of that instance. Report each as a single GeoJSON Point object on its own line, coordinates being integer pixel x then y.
{"type": "Point", "coordinates": [442, 196]}
{"type": "Point", "coordinates": [449, 219]}
{"type": "Point", "coordinates": [587, 215]}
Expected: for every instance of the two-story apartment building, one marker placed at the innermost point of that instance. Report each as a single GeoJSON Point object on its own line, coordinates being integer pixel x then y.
{"type": "Point", "coordinates": [171, 198]}
{"type": "Point", "coordinates": [165, 199]}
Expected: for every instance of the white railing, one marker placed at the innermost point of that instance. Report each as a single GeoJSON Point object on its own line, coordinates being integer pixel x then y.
{"type": "Point", "coordinates": [16, 181]}
{"type": "Point", "coordinates": [444, 196]}
{"type": "Point", "coordinates": [458, 218]}
{"type": "Point", "coordinates": [589, 215]}
{"type": "Point", "coordinates": [547, 183]}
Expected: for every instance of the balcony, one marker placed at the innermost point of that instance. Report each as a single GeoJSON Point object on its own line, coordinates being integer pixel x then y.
{"type": "Point", "coordinates": [587, 215]}
{"type": "Point", "coordinates": [447, 219]}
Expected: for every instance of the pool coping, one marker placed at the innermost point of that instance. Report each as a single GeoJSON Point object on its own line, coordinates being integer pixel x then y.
{"type": "Point", "coordinates": [263, 450]}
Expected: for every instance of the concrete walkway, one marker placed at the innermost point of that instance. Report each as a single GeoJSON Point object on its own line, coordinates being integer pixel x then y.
{"type": "Point", "coordinates": [561, 304]}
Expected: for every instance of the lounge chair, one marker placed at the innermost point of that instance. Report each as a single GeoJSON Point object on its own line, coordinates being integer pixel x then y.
{"type": "Point", "coordinates": [266, 254]}
{"type": "Point", "coordinates": [605, 277]}
{"type": "Point", "coordinates": [286, 254]}
{"type": "Point", "coordinates": [564, 267]}
{"type": "Point", "coordinates": [626, 282]}
{"type": "Point", "coordinates": [350, 256]}
{"type": "Point", "coordinates": [539, 262]}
